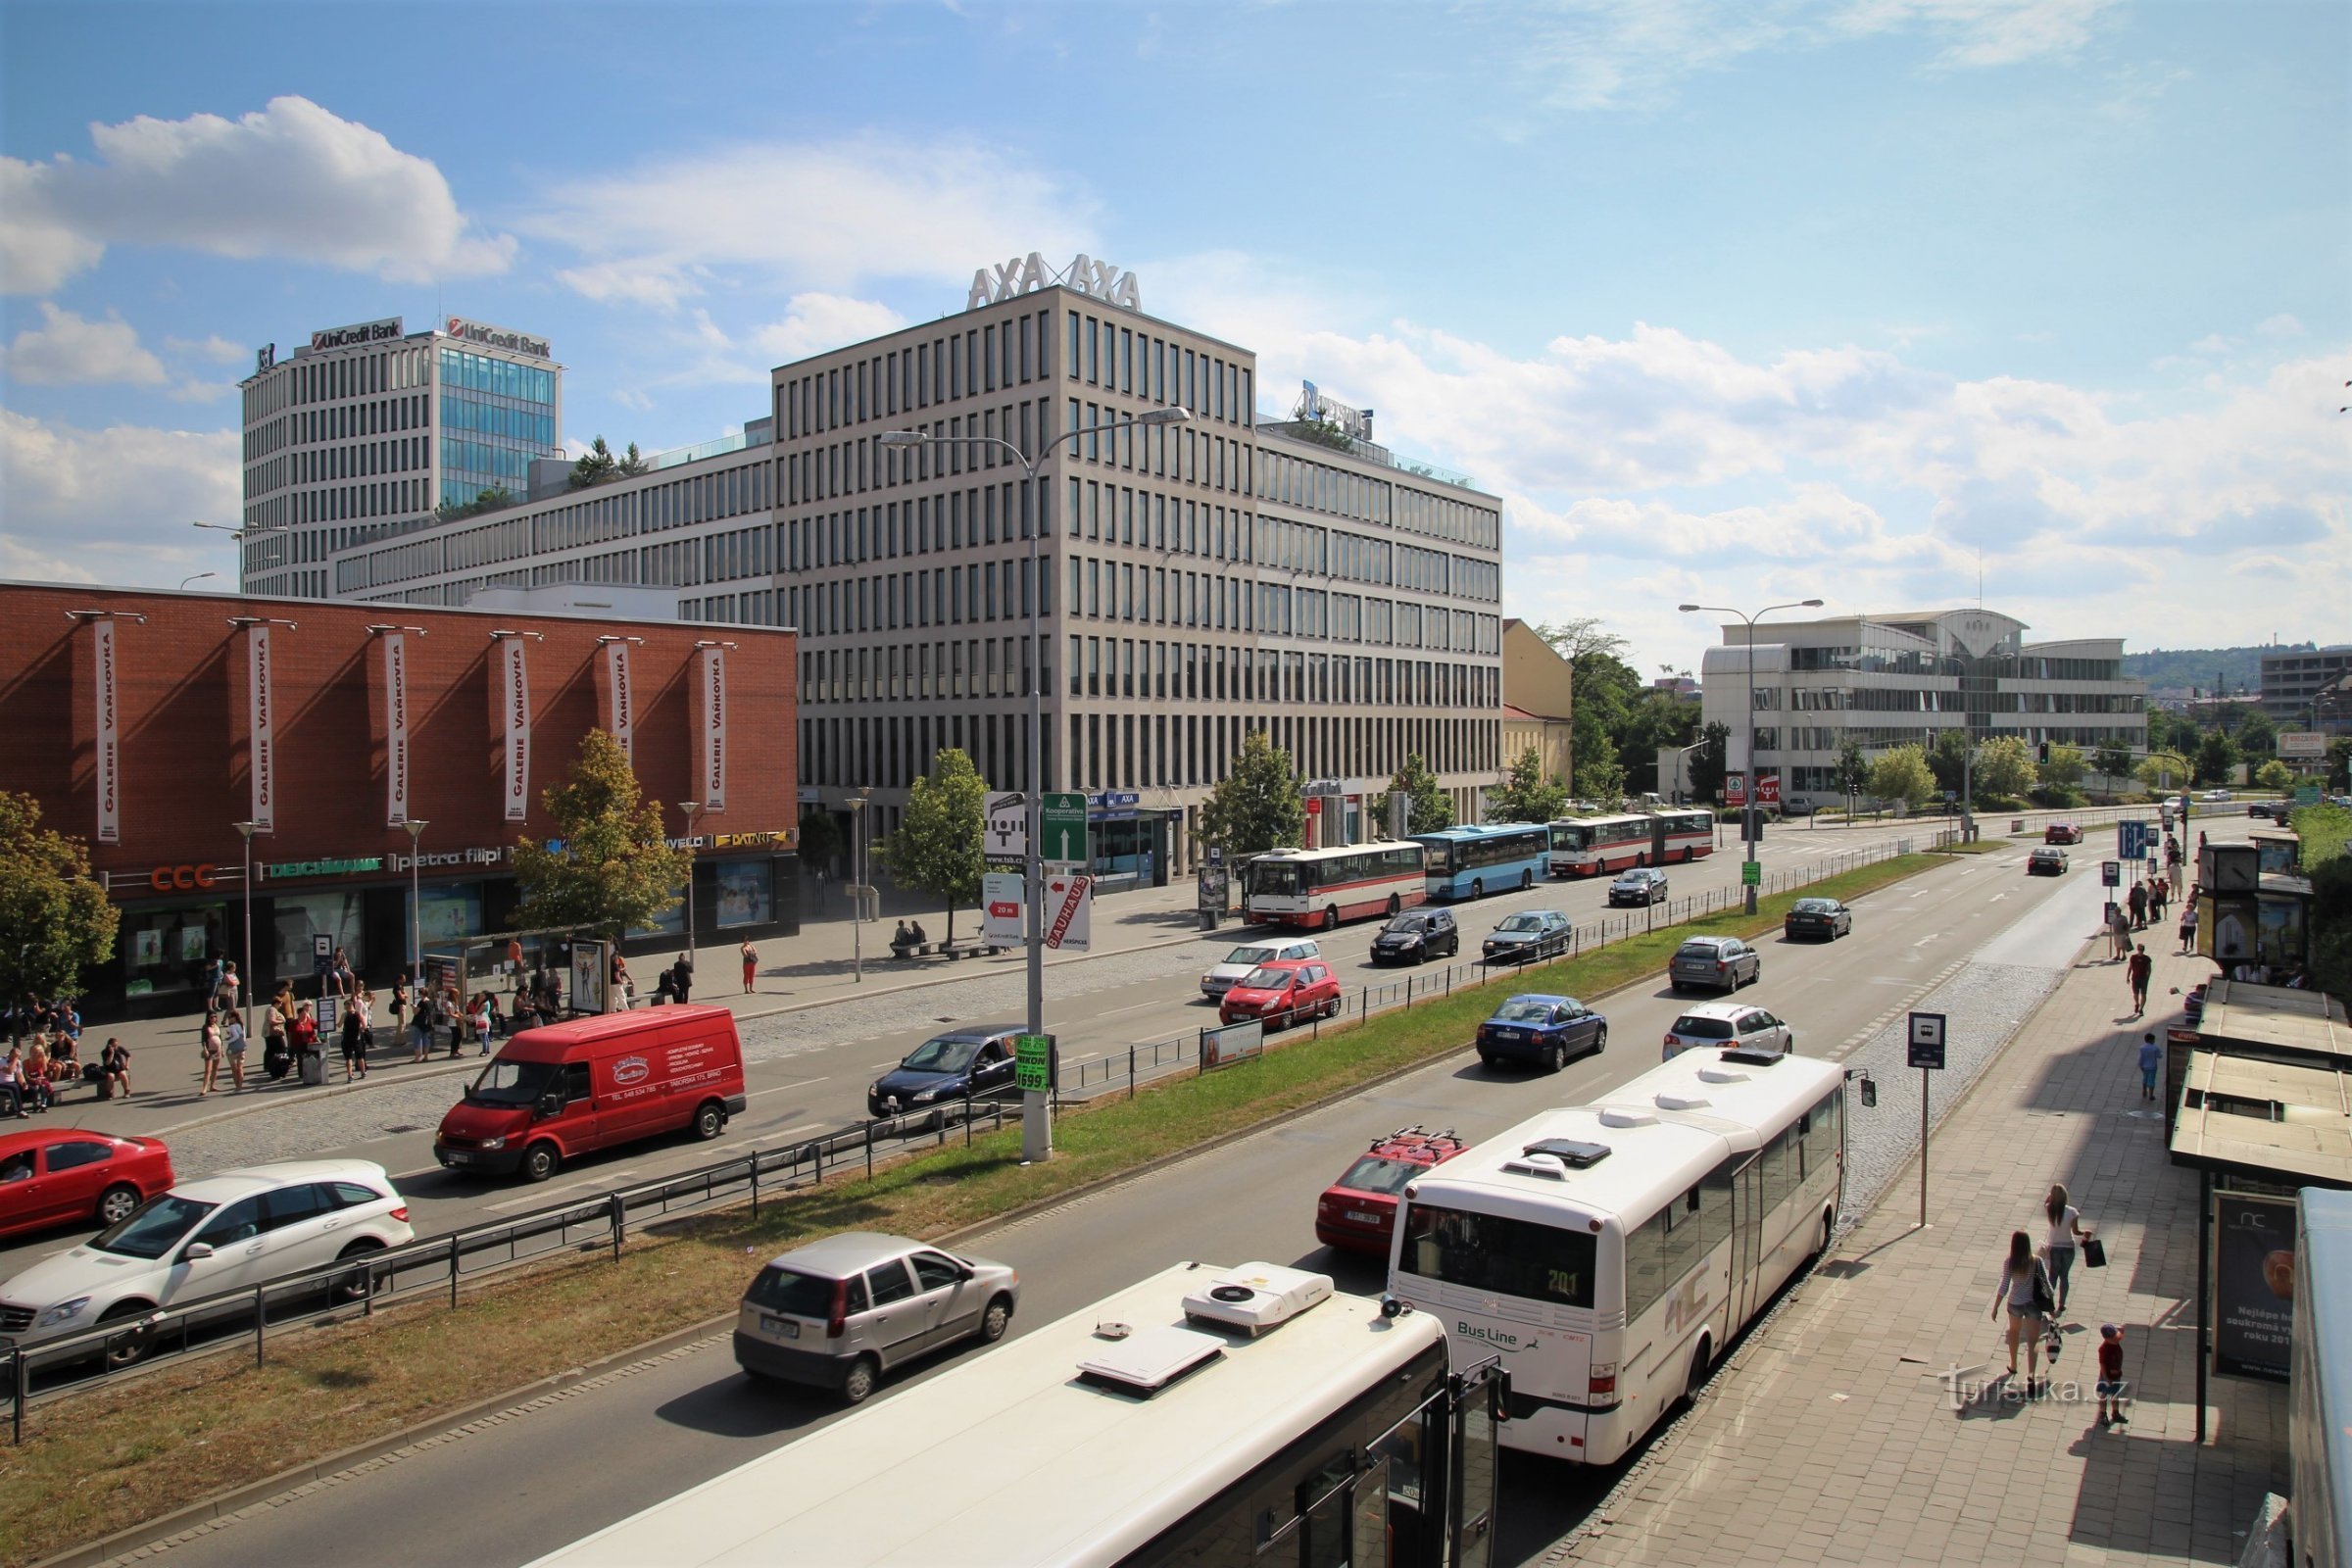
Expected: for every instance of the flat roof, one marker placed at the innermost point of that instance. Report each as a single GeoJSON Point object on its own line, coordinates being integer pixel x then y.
{"type": "Point", "coordinates": [2275, 1018]}
{"type": "Point", "coordinates": [2271, 1119]}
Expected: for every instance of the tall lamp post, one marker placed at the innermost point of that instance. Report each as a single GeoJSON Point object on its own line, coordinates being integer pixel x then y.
{"type": "Point", "coordinates": [245, 831]}
{"type": "Point", "coordinates": [1037, 1126]}
{"type": "Point", "coordinates": [693, 809]}
{"type": "Point", "coordinates": [857, 799]}
{"type": "Point", "coordinates": [416, 829]}
{"type": "Point", "coordinates": [1748, 820]}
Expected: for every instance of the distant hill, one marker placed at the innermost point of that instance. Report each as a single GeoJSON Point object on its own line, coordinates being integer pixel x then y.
{"type": "Point", "coordinates": [2233, 667]}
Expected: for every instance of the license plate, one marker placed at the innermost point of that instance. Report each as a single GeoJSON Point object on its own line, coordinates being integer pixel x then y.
{"type": "Point", "coordinates": [456, 1156]}
{"type": "Point", "coordinates": [783, 1328]}
{"type": "Point", "coordinates": [1508, 1034]}
{"type": "Point", "coordinates": [1363, 1218]}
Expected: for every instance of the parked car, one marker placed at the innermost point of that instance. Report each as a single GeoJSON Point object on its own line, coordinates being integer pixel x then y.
{"type": "Point", "coordinates": [227, 1232]}
{"type": "Point", "coordinates": [2216, 796]}
{"type": "Point", "coordinates": [975, 1062]}
{"type": "Point", "coordinates": [2062, 833]}
{"type": "Point", "coordinates": [1542, 1029]}
{"type": "Point", "coordinates": [1357, 1214]}
{"type": "Point", "coordinates": [839, 1312]}
{"type": "Point", "coordinates": [1643, 885]}
{"type": "Point", "coordinates": [1722, 963]}
{"type": "Point", "coordinates": [2046, 861]}
{"type": "Point", "coordinates": [1283, 993]}
{"type": "Point", "coordinates": [1417, 934]}
{"type": "Point", "coordinates": [1228, 973]}
{"type": "Point", "coordinates": [64, 1176]}
{"type": "Point", "coordinates": [1527, 936]}
{"type": "Point", "coordinates": [2278, 812]}
{"type": "Point", "coordinates": [1729, 1026]}
{"type": "Point", "coordinates": [556, 1093]}
{"type": "Point", "coordinates": [1817, 917]}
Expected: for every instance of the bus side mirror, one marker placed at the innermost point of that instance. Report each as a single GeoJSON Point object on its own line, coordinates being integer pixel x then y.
{"type": "Point", "coordinates": [1870, 1092]}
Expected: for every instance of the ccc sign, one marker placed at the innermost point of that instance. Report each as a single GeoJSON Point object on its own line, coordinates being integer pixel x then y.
{"type": "Point", "coordinates": [180, 878]}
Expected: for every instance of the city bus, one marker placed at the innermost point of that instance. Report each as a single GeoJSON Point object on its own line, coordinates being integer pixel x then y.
{"type": "Point", "coordinates": [1323, 887]}
{"type": "Point", "coordinates": [1468, 862]}
{"type": "Point", "coordinates": [1249, 1415]}
{"type": "Point", "coordinates": [2318, 1393]}
{"type": "Point", "coordinates": [1596, 846]}
{"type": "Point", "coordinates": [1610, 1251]}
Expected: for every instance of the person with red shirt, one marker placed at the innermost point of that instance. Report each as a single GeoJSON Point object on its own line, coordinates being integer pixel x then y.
{"type": "Point", "coordinates": [2111, 1376]}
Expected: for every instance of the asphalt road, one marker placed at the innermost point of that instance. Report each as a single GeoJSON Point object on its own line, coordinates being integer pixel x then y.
{"type": "Point", "coordinates": [513, 1490]}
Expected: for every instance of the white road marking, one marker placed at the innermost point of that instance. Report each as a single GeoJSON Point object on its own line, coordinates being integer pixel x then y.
{"type": "Point", "coordinates": [539, 1196]}
{"type": "Point", "coordinates": [804, 1127]}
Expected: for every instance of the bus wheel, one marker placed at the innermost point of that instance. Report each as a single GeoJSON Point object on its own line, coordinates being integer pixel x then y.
{"type": "Point", "coordinates": [1394, 903]}
{"type": "Point", "coordinates": [1331, 917]}
{"type": "Point", "coordinates": [1526, 879]}
{"type": "Point", "coordinates": [1477, 886]}
{"type": "Point", "coordinates": [1829, 1231]}
{"type": "Point", "coordinates": [1700, 1366]}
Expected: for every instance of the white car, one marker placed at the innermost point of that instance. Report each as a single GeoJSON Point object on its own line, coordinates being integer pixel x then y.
{"type": "Point", "coordinates": [227, 1232]}
{"type": "Point", "coordinates": [1729, 1026]}
{"type": "Point", "coordinates": [2215, 796]}
{"type": "Point", "coordinates": [1247, 957]}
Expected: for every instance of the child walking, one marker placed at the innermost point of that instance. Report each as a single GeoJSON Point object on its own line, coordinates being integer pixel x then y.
{"type": "Point", "coordinates": [2111, 1376]}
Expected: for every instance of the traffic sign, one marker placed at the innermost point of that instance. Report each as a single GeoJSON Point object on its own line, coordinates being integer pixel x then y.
{"type": "Point", "coordinates": [1063, 839]}
{"type": "Point", "coordinates": [1751, 874]}
{"type": "Point", "coordinates": [1735, 788]}
{"type": "Point", "coordinates": [1926, 1039]}
{"type": "Point", "coordinates": [1768, 789]}
{"type": "Point", "coordinates": [1007, 833]}
{"type": "Point", "coordinates": [2111, 873]}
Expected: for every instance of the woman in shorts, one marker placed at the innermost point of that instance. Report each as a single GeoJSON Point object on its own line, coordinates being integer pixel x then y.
{"type": "Point", "coordinates": [2024, 1286]}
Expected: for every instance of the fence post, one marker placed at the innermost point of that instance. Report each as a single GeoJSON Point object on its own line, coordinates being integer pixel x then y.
{"type": "Point", "coordinates": [260, 1320]}
{"type": "Point", "coordinates": [1408, 993]}
{"type": "Point", "coordinates": [870, 1151]}
{"type": "Point", "coordinates": [452, 1270]}
{"type": "Point", "coordinates": [20, 1385]}
{"type": "Point", "coordinates": [1131, 1069]}
{"type": "Point", "coordinates": [620, 1220]}
{"type": "Point", "coordinates": [755, 1184]}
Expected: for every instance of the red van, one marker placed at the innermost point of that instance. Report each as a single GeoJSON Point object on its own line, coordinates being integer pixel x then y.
{"type": "Point", "coordinates": [553, 1093]}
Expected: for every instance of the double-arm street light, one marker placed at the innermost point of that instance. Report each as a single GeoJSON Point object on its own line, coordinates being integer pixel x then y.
{"type": "Point", "coordinates": [1037, 1128]}
{"type": "Point", "coordinates": [1749, 821]}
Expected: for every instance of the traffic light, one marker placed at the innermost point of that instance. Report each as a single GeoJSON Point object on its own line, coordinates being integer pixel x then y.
{"type": "Point", "coordinates": [2045, 751]}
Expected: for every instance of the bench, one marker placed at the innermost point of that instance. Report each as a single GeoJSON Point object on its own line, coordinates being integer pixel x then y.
{"type": "Point", "coordinates": [965, 948]}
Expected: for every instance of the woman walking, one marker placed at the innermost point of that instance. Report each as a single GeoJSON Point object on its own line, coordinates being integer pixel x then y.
{"type": "Point", "coordinates": [233, 1041]}
{"type": "Point", "coordinates": [355, 1055]}
{"type": "Point", "coordinates": [210, 1044]}
{"type": "Point", "coordinates": [2066, 1227]}
{"type": "Point", "coordinates": [2023, 1288]}
{"type": "Point", "coordinates": [399, 1001]}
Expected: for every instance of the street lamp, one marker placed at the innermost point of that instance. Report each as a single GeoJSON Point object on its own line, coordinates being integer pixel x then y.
{"type": "Point", "coordinates": [415, 909]}
{"type": "Point", "coordinates": [1037, 1127]}
{"type": "Point", "coordinates": [693, 809]}
{"type": "Point", "coordinates": [1748, 821]}
{"type": "Point", "coordinates": [246, 830]}
{"type": "Point", "coordinates": [858, 801]}
{"type": "Point", "coordinates": [198, 577]}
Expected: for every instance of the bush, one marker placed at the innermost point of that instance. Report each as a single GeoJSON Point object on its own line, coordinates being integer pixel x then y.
{"type": "Point", "coordinates": [2058, 797]}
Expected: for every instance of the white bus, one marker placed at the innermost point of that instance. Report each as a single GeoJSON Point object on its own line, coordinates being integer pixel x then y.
{"type": "Point", "coordinates": [1244, 1415]}
{"type": "Point", "coordinates": [1323, 887]}
{"type": "Point", "coordinates": [1596, 846]}
{"type": "Point", "coordinates": [1608, 1252]}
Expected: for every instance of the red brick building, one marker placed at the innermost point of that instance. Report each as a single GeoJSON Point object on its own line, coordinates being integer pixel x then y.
{"type": "Point", "coordinates": [136, 719]}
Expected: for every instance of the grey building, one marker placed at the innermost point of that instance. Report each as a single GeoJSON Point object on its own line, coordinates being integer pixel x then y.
{"type": "Point", "coordinates": [2295, 679]}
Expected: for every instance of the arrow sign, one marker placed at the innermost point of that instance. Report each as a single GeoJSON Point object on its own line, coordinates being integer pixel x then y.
{"type": "Point", "coordinates": [1063, 841]}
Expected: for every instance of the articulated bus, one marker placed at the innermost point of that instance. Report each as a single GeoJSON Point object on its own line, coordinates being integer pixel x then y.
{"type": "Point", "coordinates": [2319, 1390]}
{"type": "Point", "coordinates": [1596, 846]}
{"type": "Point", "coordinates": [1469, 862]}
{"type": "Point", "coordinates": [1608, 1252]}
{"type": "Point", "coordinates": [1246, 1416]}
{"type": "Point", "coordinates": [1323, 887]}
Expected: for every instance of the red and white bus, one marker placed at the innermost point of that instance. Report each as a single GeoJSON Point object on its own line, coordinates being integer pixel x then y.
{"type": "Point", "coordinates": [1596, 846]}
{"type": "Point", "coordinates": [1323, 887]}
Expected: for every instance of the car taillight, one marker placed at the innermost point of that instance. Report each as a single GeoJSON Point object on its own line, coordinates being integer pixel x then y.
{"type": "Point", "coordinates": [837, 1321]}
{"type": "Point", "coordinates": [1603, 1379]}
{"type": "Point", "coordinates": [401, 1214]}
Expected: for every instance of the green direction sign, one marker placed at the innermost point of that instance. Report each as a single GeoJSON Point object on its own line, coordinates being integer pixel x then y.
{"type": "Point", "coordinates": [2308, 795]}
{"type": "Point", "coordinates": [1033, 1058]}
{"type": "Point", "coordinates": [1064, 835]}
{"type": "Point", "coordinates": [1751, 874]}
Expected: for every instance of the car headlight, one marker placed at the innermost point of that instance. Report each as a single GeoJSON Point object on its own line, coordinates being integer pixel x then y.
{"type": "Point", "coordinates": [874, 1088]}
{"type": "Point", "coordinates": [62, 1312]}
{"type": "Point", "coordinates": [499, 1142]}
{"type": "Point", "coordinates": [922, 1097]}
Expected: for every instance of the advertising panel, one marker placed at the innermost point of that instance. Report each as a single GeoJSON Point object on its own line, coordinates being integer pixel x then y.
{"type": "Point", "coordinates": [396, 729]}
{"type": "Point", "coordinates": [2253, 1285]}
{"type": "Point", "coordinates": [261, 727]}
{"type": "Point", "coordinates": [621, 697]}
{"type": "Point", "coordinates": [1000, 908]}
{"type": "Point", "coordinates": [711, 707]}
{"type": "Point", "coordinates": [1069, 912]}
{"type": "Point", "coordinates": [109, 758]}
{"type": "Point", "coordinates": [515, 702]}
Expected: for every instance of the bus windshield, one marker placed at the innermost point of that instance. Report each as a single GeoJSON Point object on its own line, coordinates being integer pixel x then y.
{"type": "Point", "coordinates": [1278, 878]}
{"type": "Point", "coordinates": [1439, 856]}
{"type": "Point", "coordinates": [1505, 1257]}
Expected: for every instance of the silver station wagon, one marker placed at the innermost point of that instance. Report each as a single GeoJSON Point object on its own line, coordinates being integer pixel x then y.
{"type": "Point", "coordinates": [839, 1312]}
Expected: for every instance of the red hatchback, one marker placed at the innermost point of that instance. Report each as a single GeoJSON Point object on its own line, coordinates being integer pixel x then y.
{"type": "Point", "coordinates": [2062, 833]}
{"type": "Point", "coordinates": [1288, 992]}
{"type": "Point", "coordinates": [69, 1177]}
{"type": "Point", "coordinates": [1358, 1211]}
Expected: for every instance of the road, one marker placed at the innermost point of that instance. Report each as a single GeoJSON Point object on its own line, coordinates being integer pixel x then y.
{"type": "Point", "coordinates": [511, 1490]}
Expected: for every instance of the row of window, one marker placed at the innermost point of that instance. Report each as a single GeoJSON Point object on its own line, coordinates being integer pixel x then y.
{"type": "Point", "coordinates": [345, 375]}
{"type": "Point", "coordinates": [1118, 358]}
{"type": "Point", "coordinates": [1312, 486]}
{"type": "Point", "coordinates": [959, 364]}
{"type": "Point", "coordinates": [1668, 1245]}
{"type": "Point", "coordinates": [480, 372]}
{"type": "Point", "coordinates": [497, 419]}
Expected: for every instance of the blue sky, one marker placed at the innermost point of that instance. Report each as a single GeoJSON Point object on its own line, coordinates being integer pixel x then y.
{"type": "Point", "coordinates": [1731, 302]}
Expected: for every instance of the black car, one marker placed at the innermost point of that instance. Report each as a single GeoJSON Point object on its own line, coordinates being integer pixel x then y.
{"type": "Point", "coordinates": [1529, 934]}
{"type": "Point", "coordinates": [1643, 885]}
{"type": "Point", "coordinates": [976, 1062]}
{"type": "Point", "coordinates": [1415, 935]}
{"type": "Point", "coordinates": [1817, 917]}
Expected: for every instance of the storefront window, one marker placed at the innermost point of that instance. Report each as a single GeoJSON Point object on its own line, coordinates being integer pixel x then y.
{"type": "Point", "coordinates": [166, 949]}
{"type": "Point", "coordinates": [301, 917]}
{"type": "Point", "coordinates": [742, 894]}
{"type": "Point", "coordinates": [672, 923]}
{"type": "Point", "coordinates": [449, 913]}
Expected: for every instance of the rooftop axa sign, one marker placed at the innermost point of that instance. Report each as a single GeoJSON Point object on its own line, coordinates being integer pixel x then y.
{"type": "Point", "coordinates": [993, 286]}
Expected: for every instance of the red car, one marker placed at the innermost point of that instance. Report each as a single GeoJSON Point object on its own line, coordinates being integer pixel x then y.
{"type": "Point", "coordinates": [1358, 1211]}
{"type": "Point", "coordinates": [69, 1177]}
{"type": "Point", "coordinates": [1286, 992]}
{"type": "Point", "coordinates": [2062, 833]}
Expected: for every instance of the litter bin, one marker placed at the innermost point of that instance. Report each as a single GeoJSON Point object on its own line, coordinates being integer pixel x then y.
{"type": "Point", "coordinates": [314, 1068]}
{"type": "Point", "coordinates": [1208, 920]}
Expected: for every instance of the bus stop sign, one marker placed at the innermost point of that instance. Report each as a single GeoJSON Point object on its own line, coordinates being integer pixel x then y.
{"type": "Point", "coordinates": [1927, 1039]}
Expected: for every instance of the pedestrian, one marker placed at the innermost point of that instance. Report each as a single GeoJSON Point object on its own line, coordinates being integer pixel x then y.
{"type": "Point", "coordinates": [302, 1035]}
{"type": "Point", "coordinates": [113, 1069]}
{"type": "Point", "coordinates": [399, 1001]}
{"type": "Point", "coordinates": [2025, 1290]}
{"type": "Point", "coordinates": [2137, 968]}
{"type": "Point", "coordinates": [2188, 924]}
{"type": "Point", "coordinates": [33, 1075]}
{"type": "Point", "coordinates": [2066, 1228]}
{"type": "Point", "coordinates": [224, 993]}
{"type": "Point", "coordinates": [681, 976]}
{"type": "Point", "coordinates": [2111, 1376]}
{"type": "Point", "coordinates": [514, 961]}
{"type": "Point", "coordinates": [665, 988]}
{"type": "Point", "coordinates": [624, 988]}
{"type": "Point", "coordinates": [478, 1014]}
{"type": "Point", "coordinates": [342, 984]}
{"type": "Point", "coordinates": [233, 1042]}
{"type": "Point", "coordinates": [2137, 898]}
{"type": "Point", "coordinates": [273, 1040]}
{"type": "Point", "coordinates": [449, 1006]}
{"type": "Point", "coordinates": [208, 1045]}
{"type": "Point", "coordinates": [355, 1055]}
{"type": "Point", "coordinates": [2119, 931]}
{"type": "Point", "coordinates": [751, 965]}
{"type": "Point", "coordinates": [420, 1025]}
{"type": "Point", "coordinates": [2151, 1057]}
{"type": "Point", "coordinates": [11, 1084]}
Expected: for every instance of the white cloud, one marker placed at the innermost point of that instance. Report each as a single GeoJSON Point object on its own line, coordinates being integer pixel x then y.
{"type": "Point", "coordinates": [2281, 327]}
{"type": "Point", "coordinates": [114, 505]}
{"type": "Point", "coordinates": [816, 322]}
{"type": "Point", "coordinates": [71, 351]}
{"type": "Point", "coordinates": [291, 180]}
{"type": "Point", "coordinates": [218, 349]}
{"type": "Point", "coordinates": [1982, 32]}
{"type": "Point", "coordinates": [823, 216]}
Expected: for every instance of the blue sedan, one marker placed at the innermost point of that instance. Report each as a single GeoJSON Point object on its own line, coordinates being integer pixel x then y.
{"type": "Point", "coordinates": [1528, 936]}
{"type": "Point", "coordinates": [1544, 1030]}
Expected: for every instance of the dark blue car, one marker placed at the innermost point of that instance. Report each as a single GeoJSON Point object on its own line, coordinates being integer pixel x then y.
{"type": "Point", "coordinates": [977, 1062]}
{"type": "Point", "coordinates": [1544, 1030]}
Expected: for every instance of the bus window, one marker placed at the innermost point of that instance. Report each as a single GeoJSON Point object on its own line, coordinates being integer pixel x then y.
{"type": "Point", "coordinates": [1777, 1172]}
{"type": "Point", "coordinates": [1819, 1137]}
{"type": "Point", "coordinates": [1645, 1276]}
{"type": "Point", "coordinates": [1685, 1238]}
{"type": "Point", "coordinates": [1488, 1252]}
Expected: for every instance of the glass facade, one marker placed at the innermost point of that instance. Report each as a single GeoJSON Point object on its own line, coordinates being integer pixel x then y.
{"type": "Point", "coordinates": [496, 415]}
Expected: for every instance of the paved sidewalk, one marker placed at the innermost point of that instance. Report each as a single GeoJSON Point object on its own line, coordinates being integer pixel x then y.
{"type": "Point", "coordinates": [1868, 1422]}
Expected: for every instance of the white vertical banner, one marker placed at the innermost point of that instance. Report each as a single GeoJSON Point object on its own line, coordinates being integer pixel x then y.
{"type": "Point", "coordinates": [622, 698]}
{"type": "Point", "coordinates": [515, 700]}
{"type": "Point", "coordinates": [396, 729]}
{"type": "Point", "coordinates": [109, 730]}
{"type": "Point", "coordinates": [262, 726]}
{"type": "Point", "coordinates": [1069, 913]}
{"type": "Point", "coordinates": [712, 681]}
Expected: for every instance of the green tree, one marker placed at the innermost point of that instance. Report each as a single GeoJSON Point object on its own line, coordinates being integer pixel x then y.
{"type": "Point", "coordinates": [616, 871]}
{"type": "Point", "coordinates": [1901, 774]}
{"type": "Point", "coordinates": [821, 840]}
{"type": "Point", "coordinates": [2164, 770]}
{"type": "Point", "coordinates": [2256, 734]}
{"type": "Point", "coordinates": [2005, 767]}
{"type": "Point", "coordinates": [1600, 780]}
{"type": "Point", "coordinates": [1656, 720]}
{"type": "Point", "coordinates": [938, 845]}
{"type": "Point", "coordinates": [2331, 926]}
{"type": "Point", "coordinates": [1604, 691]}
{"type": "Point", "coordinates": [2217, 758]}
{"type": "Point", "coordinates": [2066, 766]}
{"type": "Point", "coordinates": [599, 465]}
{"type": "Point", "coordinates": [1255, 808]}
{"type": "Point", "coordinates": [2275, 776]}
{"type": "Point", "coordinates": [1947, 759]}
{"type": "Point", "coordinates": [1525, 794]}
{"type": "Point", "coordinates": [491, 500]}
{"type": "Point", "coordinates": [1706, 768]}
{"type": "Point", "coordinates": [1853, 768]}
{"type": "Point", "coordinates": [2340, 763]}
{"type": "Point", "coordinates": [55, 920]}
{"type": "Point", "coordinates": [1432, 808]}
{"type": "Point", "coordinates": [2111, 759]}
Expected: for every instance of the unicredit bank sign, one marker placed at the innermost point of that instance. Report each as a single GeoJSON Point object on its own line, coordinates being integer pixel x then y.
{"type": "Point", "coordinates": [343, 337]}
{"type": "Point", "coordinates": [497, 337]}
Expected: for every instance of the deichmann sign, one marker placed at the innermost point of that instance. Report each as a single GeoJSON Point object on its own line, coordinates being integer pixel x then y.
{"type": "Point", "coordinates": [109, 757]}
{"type": "Point", "coordinates": [497, 337]}
{"type": "Point", "coordinates": [343, 337]}
{"type": "Point", "coordinates": [396, 729]}
{"type": "Point", "coordinates": [263, 728]}
{"type": "Point", "coordinates": [515, 702]}
{"type": "Point", "coordinates": [284, 869]}
{"type": "Point", "coordinates": [1086, 276]}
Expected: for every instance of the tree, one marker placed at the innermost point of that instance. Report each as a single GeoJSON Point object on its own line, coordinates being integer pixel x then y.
{"type": "Point", "coordinates": [1853, 768]}
{"type": "Point", "coordinates": [2275, 776]}
{"type": "Point", "coordinates": [55, 920]}
{"type": "Point", "coordinates": [2255, 734]}
{"type": "Point", "coordinates": [1901, 774]}
{"type": "Point", "coordinates": [1603, 690]}
{"type": "Point", "coordinates": [1255, 808]}
{"type": "Point", "coordinates": [1525, 794]}
{"type": "Point", "coordinates": [2340, 763]}
{"type": "Point", "coordinates": [2331, 926]}
{"type": "Point", "coordinates": [2217, 758]}
{"type": "Point", "coordinates": [2164, 770]}
{"type": "Point", "coordinates": [1947, 759]}
{"type": "Point", "coordinates": [2112, 759]}
{"type": "Point", "coordinates": [490, 500]}
{"type": "Point", "coordinates": [1707, 763]}
{"type": "Point", "coordinates": [1599, 779]}
{"type": "Point", "coordinates": [616, 871]}
{"type": "Point", "coordinates": [2066, 766]}
{"type": "Point", "coordinates": [598, 466]}
{"type": "Point", "coordinates": [938, 845]}
{"type": "Point", "coordinates": [2005, 767]}
{"type": "Point", "coordinates": [1432, 808]}
{"type": "Point", "coordinates": [821, 841]}
{"type": "Point", "coordinates": [1657, 720]}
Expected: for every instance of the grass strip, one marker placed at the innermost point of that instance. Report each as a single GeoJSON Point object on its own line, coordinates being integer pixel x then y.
{"type": "Point", "coordinates": [100, 1463]}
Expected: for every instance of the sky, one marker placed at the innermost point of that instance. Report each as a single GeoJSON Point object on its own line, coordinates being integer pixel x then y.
{"type": "Point", "coordinates": [1736, 302]}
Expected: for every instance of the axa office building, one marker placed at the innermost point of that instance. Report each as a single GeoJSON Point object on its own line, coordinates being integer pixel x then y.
{"type": "Point", "coordinates": [1190, 582]}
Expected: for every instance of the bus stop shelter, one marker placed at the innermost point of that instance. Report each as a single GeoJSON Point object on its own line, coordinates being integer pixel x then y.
{"type": "Point", "coordinates": [2259, 1023]}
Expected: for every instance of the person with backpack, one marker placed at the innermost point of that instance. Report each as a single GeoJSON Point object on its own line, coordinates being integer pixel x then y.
{"type": "Point", "coordinates": [2025, 1290]}
{"type": "Point", "coordinates": [421, 1024]}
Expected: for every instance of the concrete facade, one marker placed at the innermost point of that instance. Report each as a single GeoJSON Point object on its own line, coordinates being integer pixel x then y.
{"type": "Point", "coordinates": [1538, 694]}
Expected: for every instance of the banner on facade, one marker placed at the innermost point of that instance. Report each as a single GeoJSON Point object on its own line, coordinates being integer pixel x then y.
{"type": "Point", "coordinates": [109, 756]}
{"type": "Point", "coordinates": [515, 701]}
{"type": "Point", "coordinates": [711, 706]}
{"type": "Point", "coordinates": [396, 729]}
{"type": "Point", "coordinates": [261, 726]}
{"type": "Point", "coordinates": [621, 698]}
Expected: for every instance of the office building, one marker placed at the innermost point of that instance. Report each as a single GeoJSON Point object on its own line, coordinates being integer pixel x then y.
{"type": "Point", "coordinates": [2295, 680]}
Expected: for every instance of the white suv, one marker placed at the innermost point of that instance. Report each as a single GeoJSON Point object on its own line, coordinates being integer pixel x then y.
{"type": "Point", "coordinates": [1247, 957]}
{"type": "Point", "coordinates": [1729, 1026]}
{"type": "Point", "coordinates": [227, 1232]}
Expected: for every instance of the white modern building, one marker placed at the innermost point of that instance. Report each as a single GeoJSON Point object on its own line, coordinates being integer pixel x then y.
{"type": "Point", "coordinates": [1898, 679]}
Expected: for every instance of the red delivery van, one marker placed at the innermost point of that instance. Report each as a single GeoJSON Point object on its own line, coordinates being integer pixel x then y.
{"type": "Point", "coordinates": [553, 1093]}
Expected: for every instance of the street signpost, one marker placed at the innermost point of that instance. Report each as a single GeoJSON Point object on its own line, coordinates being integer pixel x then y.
{"type": "Point", "coordinates": [1006, 835]}
{"type": "Point", "coordinates": [1735, 788]}
{"type": "Point", "coordinates": [2111, 874]}
{"type": "Point", "coordinates": [1064, 831]}
{"type": "Point", "coordinates": [1927, 1054]}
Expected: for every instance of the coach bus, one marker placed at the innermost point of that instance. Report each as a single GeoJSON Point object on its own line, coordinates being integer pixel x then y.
{"type": "Point", "coordinates": [1323, 887]}
{"type": "Point", "coordinates": [1610, 1251]}
{"type": "Point", "coordinates": [2318, 1393]}
{"type": "Point", "coordinates": [1469, 862]}
{"type": "Point", "coordinates": [1245, 1416]}
{"type": "Point", "coordinates": [1596, 846]}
